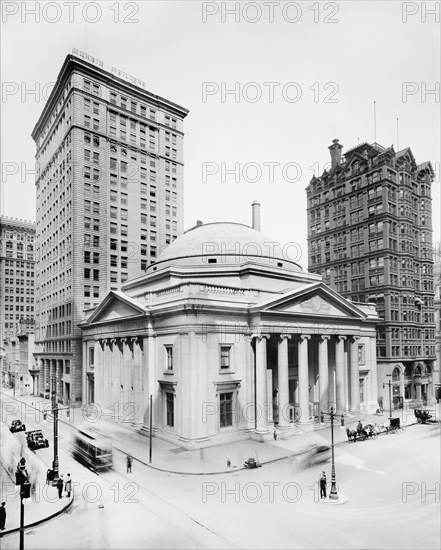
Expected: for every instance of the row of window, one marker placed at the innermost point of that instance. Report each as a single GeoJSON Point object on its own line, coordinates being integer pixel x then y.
{"type": "Point", "coordinates": [224, 357]}
{"type": "Point", "coordinates": [18, 236]}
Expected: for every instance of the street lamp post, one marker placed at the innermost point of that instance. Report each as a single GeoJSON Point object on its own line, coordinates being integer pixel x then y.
{"type": "Point", "coordinates": [333, 495]}
{"type": "Point", "coordinates": [389, 383]}
{"type": "Point", "coordinates": [55, 415]}
{"type": "Point", "coordinates": [22, 479]}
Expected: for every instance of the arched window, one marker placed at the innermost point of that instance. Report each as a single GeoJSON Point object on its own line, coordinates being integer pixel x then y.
{"type": "Point", "coordinates": [418, 370]}
{"type": "Point", "coordinates": [408, 372]}
{"type": "Point", "coordinates": [428, 370]}
{"type": "Point", "coordinates": [396, 375]}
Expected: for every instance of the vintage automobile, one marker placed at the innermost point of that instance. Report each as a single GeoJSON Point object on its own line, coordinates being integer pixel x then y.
{"type": "Point", "coordinates": [252, 463]}
{"type": "Point", "coordinates": [313, 454]}
{"type": "Point", "coordinates": [17, 426]}
{"type": "Point", "coordinates": [36, 440]}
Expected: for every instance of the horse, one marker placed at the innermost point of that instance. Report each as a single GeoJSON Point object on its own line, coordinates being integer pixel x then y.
{"type": "Point", "coordinates": [370, 431]}
{"type": "Point", "coordinates": [351, 434]}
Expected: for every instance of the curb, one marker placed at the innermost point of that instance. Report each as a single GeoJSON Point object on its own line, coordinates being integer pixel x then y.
{"type": "Point", "coordinates": [229, 471]}
{"type": "Point", "coordinates": [38, 522]}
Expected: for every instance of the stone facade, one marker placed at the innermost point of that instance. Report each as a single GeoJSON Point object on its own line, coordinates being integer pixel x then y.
{"type": "Point", "coordinates": [228, 345]}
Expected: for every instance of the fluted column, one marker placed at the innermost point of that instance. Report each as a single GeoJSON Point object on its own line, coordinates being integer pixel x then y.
{"type": "Point", "coordinates": [323, 372]}
{"type": "Point", "coordinates": [355, 376]}
{"type": "Point", "coordinates": [340, 374]}
{"type": "Point", "coordinates": [261, 390]}
{"type": "Point", "coordinates": [282, 374]}
{"type": "Point", "coordinates": [303, 379]}
{"type": "Point", "coordinates": [373, 373]}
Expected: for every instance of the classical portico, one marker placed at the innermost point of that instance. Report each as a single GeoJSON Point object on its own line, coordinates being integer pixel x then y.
{"type": "Point", "coordinates": [228, 345]}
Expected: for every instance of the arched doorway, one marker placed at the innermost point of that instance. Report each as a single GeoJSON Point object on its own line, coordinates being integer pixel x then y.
{"type": "Point", "coordinates": [426, 386]}
{"type": "Point", "coordinates": [408, 390]}
{"type": "Point", "coordinates": [397, 398]}
{"type": "Point", "coordinates": [417, 384]}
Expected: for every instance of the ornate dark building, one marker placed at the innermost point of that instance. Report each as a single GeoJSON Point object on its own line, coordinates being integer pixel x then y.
{"type": "Point", "coordinates": [370, 237]}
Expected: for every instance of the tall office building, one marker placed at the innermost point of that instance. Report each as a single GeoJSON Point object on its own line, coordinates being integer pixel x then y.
{"type": "Point", "coordinates": [17, 275]}
{"type": "Point", "coordinates": [109, 190]}
{"type": "Point", "coordinates": [370, 237]}
{"type": "Point", "coordinates": [437, 283]}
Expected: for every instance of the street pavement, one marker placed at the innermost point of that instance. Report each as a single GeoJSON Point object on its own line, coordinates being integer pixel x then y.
{"type": "Point", "coordinates": [154, 508]}
{"type": "Point", "coordinates": [170, 457]}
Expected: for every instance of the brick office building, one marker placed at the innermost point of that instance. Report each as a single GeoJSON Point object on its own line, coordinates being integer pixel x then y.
{"type": "Point", "coordinates": [370, 237]}
{"type": "Point", "coordinates": [17, 277]}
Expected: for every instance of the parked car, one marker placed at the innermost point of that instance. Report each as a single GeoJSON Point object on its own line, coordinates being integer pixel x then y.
{"type": "Point", "coordinates": [314, 454]}
{"type": "Point", "coordinates": [17, 426]}
{"type": "Point", "coordinates": [36, 440]}
{"type": "Point", "coordinates": [252, 463]}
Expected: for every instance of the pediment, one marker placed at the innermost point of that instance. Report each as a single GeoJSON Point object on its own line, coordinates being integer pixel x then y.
{"type": "Point", "coordinates": [115, 306]}
{"type": "Point", "coordinates": [317, 301]}
{"type": "Point", "coordinates": [315, 304]}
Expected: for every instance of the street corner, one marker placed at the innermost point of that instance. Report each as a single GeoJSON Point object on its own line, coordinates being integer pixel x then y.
{"type": "Point", "coordinates": [43, 506]}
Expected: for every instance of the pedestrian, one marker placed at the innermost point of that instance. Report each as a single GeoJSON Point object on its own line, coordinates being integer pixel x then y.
{"type": "Point", "coordinates": [68, 486]}
{"type": "Point", "coordinates": [322, 482]}
{"type": "Point", "coordinates": [359, 426]}
{"type": "Point", "coordinates": [2, 516]}
{"type": "Point", "coordinates": [60, 485]}
{"type": "Point", "coordinates": [275, 435]}
{"type": "Point", "coordinates": [129, 463]}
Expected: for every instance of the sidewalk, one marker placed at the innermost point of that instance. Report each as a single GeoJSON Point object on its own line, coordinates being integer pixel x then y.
{"type": "Point", "coordinates": [210, 460]}
{"type": "Point", "coordinates": [43, 505]}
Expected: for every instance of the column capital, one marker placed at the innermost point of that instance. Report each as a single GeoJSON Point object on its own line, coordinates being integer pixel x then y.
{"type": "Point", "coordinates": [304, 337]}
{"type": "Point", "coordinates": [261, 336]}
{"type": "Point", "coordinates": [354, 339]}
{"type": "Point", "coordinates": [284, 337]}
{"type": "Point", "coordinates": [341, 337]}
{"type": "Point", "coordinates": [325, 337]}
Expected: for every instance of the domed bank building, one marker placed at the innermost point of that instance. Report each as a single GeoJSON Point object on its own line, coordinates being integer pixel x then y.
{"type": "Point", "coordinates": [231, 338]}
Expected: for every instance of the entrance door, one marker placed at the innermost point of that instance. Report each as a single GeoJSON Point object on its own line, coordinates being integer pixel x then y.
{"type": "Point", "coordinates": [91, 391]}
{"type": "Point", "coordinates": [361, 389]}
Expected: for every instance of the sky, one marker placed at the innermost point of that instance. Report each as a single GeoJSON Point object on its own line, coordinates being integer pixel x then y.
{"type": "Point", "coordinates": [268, 85]}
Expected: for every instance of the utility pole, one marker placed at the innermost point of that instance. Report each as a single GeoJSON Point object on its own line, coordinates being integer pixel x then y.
{"type": "Point", "coordinates": [55, 414]}
{"type": "Point", "coordinates": [333, 495]}
{"type": "Point", "coordinates": [22, 479]}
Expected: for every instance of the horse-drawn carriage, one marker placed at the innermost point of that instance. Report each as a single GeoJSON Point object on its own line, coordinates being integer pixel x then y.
{"type": "Point", "coordinates": [362, 433]}
{"type": "Point", "coordinates": [372, 431]}
{"type": "Point", "coordinates": [395, 426]}
{"type": "Point", "coordinates": [422, 416]}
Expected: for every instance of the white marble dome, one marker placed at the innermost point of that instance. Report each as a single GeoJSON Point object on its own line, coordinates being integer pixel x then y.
{"type": "Point", "coordinates": [227, 244]}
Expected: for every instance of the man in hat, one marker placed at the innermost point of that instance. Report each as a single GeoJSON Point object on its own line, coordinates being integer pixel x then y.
{"type": "Point", "coordinates": [2, 516]}
{"type": "Point", "coordinates": [323, 485]}
{"type": "Point", "coordinates": [129, 463]}
{"type": "Point", "coordinates": [60, 485]}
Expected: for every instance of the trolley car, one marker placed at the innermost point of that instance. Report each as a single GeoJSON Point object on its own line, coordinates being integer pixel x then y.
{"type": "Point", "coordinates": [93, 448]}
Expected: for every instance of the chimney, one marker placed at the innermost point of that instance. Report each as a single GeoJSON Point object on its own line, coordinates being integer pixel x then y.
{"type": "Point", "coordinates": [256, 215]}
{"type": "Point", "coordinates": [198, 223]}
{"type": "Point", "coordinates": [335, 150]}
